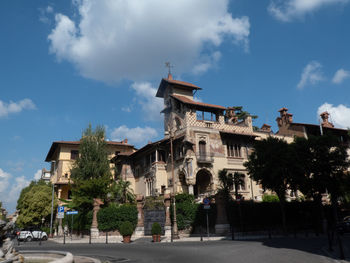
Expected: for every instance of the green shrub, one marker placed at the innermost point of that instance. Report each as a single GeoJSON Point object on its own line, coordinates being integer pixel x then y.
{"type": "Point", "coordinates": [126, 228]}
{"type": "Point", "coordinates": [156, 229]}
{"type": "Point", "coordinates": [112, 216]}
{"type": "Point", "coordinates": [154, 203]}
{"type": "Point", "coordinates": [190, 214]}
{"type": "Point", "coordinates": [270, 198]}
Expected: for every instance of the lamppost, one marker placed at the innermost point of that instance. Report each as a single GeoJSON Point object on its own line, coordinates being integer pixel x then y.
{"type": "Point", "coordinates": [175, 230]}
{"type": "Point", "coordinates": [53, 195]}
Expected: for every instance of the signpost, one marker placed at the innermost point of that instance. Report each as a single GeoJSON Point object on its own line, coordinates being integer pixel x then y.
{"type": "Point", "coordinates": [71, 230]}
{"type": "Point", "coordinates": [60, 212]}
{"type": "Point", "coordinates": [206, 206]}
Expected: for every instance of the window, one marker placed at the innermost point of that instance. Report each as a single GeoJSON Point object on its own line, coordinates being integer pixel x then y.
{"type": "Point", "coordinates": [153, 157]}
{"type": "Point", "coordinates": [206, 116]}
{"type": "Point", "coordinates": [74, 154]}
{"type": "Point", "coordinates": [234, 150]}
{"type": "Point", "coordinates": [202, 150]}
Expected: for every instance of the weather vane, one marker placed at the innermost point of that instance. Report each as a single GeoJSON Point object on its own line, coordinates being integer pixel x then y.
{"type": "Point", "coordinates": [169, 66]}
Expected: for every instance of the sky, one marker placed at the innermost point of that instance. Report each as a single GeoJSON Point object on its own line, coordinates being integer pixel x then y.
{"type": "Point", "coordinates": [65, 64]}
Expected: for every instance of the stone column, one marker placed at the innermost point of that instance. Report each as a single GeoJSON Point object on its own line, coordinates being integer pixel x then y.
{"type": "Point", "coordinates": [221, 226]}
{"type": "Point", "coordinates": [94, 225]}
{"type": "Point", "coordinates": [140, 228]}
{"type": "Point", "coordinates": [167, 226]}
{"type": "Point", "coordinates": [190, 189]}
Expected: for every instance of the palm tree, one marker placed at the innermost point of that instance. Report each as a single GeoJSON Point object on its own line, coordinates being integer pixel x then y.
{"type": "Point", "coordinates": [122, 192]}
{"type": "Point", "coordinates": [238, 180]}
{"type": "Point", "coordinates": [226, 181]}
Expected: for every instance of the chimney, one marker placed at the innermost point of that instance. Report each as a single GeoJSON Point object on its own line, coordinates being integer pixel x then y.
{"type": "Point", "coordinates": [266, 128]}
{"type": "Point", "coordinates": [170, 77]}
{"type": "Point", "coordinates": [284, 118]}
{"type": "Point", "coordinates": [325, 122]}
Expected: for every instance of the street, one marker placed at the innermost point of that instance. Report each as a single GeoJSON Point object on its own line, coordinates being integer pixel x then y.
{"type": "Point", "coordinates": [269, 250]}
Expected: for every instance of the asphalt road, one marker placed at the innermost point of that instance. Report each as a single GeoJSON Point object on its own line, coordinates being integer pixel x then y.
{"type": "Point", "coordinates": [289, 250]}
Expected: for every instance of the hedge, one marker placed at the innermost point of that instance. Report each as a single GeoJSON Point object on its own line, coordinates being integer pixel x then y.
{"type": "Point", "coordinates": [111, 217]}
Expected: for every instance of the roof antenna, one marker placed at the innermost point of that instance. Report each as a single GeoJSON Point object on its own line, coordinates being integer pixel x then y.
{"type": "Point", "coordinates": [169, 66]}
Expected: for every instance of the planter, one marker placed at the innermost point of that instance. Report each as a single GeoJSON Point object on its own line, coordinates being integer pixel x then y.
{"type": "Point", "coordinates": [127, 239]}
{"type": "Point", "coordinates": [156, 238]}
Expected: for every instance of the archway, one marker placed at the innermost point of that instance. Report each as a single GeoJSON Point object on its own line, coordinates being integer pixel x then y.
{"type": "Point", "coordinates": [203, 182]}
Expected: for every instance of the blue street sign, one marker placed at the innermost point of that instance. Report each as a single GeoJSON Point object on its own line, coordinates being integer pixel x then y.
{"type": "Point", "coordinates": [206, 201]}
{"type": "Point", "coordinates": [60, 209]}
{"type": "Point", "coordinates": [72, 213]}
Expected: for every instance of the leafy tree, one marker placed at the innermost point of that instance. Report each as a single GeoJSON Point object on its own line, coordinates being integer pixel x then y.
{"type": "Point", "coordinates": [322, 165]}
{"type": "Point", "coordinates": [91, 172]}
{"type": "Point", "coordinates": [122, 192]}
{"type": "Point", "coordinates": [271, 164]}
{"type": "Point", "coordinates": [34, 204]}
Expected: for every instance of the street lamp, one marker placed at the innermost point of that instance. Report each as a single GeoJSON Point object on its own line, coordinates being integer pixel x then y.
{"type": "Point", "coordinates": [175, 230]}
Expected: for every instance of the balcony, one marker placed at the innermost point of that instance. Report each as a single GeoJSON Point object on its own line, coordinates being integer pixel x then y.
{"type": "Point", "coordinates": [204, 157]}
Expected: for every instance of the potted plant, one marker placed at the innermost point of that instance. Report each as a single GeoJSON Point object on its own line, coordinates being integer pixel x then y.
{"type": "Point", "coordinates": [156, 232]}
{"type": "Point", "coordinates": [126, 230]}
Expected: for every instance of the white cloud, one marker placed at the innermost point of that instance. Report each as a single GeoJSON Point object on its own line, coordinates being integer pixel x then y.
{"type": "Point", "coordinates": [37, 175]}
{"type": "Point", "coordinates": [9, 191]}
{"type": "Point", "coordinates": [114, 40]}
{"type": "Point", "coordinates": [15, 107]}
{"type": "Point", "coordinates": [44, 12]}
{"type": "Point", "coordinates": [339, 115]}
{"type": "Point", "coordinates": [311, 75]}
{"type": "Point", "coordinates": [146, 98]}
{"type": "Point", "coordinates": [136, 135]}
{"type": "Point", "coordinates": [288, 10]}
{"type": "Point", "coordinates": [207, 63]}
{"type": "Point", "coordinates": [4, 181]}
{"type": "Point", "coordinates": [340, 76]}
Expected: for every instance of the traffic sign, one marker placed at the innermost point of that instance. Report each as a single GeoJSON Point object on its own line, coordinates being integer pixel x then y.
{"type": "Point", "coordinates": [206, 201]}
{"type": "Point", "coordinates": [206, 206]}
{"type": "Point", "coordinates": [72, 213]}
{"type": "Point", "coordinates": [60, 209]}
{"type": "Point", "coordinates": [60, 215]}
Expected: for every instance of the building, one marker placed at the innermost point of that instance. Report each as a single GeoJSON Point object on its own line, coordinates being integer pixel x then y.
{"type": "Point", "coordinates": [62, 155]}
{"type": "Point", "coordinates": [206, 138]}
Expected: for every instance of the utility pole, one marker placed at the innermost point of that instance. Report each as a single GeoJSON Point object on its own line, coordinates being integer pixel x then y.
{"type": "Point", "coordinates": [52, 198]}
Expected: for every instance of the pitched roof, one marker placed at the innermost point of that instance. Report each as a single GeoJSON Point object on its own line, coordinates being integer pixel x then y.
{"type": "Point", "coordinates": [165, 82]}
{"type": "Point", "coordinates": [196, 103]}
{"type": "Point", "coordinates": [57, 143]}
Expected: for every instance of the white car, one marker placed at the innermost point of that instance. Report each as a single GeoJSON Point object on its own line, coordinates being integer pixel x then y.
{"type": "Point", "coordinates": [32, 235]}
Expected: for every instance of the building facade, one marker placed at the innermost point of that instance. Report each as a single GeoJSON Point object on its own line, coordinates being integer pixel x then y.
{"type": "Point", "coordinates": [62, 155]}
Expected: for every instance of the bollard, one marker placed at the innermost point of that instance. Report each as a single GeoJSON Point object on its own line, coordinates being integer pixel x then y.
{"type": "Point", "coordinates": [201, 234]}
{"type": "Point", "coordinates": [232, 233]}
{"type": "Point", "coordinates": [18, 242]}
{"type": "Point", "coordinates": [90, 238]}
{"type": "Point", "coordinates": [64, 237]}
{"type": "Point", "coordinates": [106, 237]}
{"type": "Point", "coordinates": [40, 237]}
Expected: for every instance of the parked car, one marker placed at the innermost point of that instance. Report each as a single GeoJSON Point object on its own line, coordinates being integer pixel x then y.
{"type": "Point", "coordinates": [344, 226]}
{"type": "Point", "coordinates": [29, 235]}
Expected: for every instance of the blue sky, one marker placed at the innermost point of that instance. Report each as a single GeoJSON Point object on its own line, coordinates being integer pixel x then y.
{"type": "Point", "coordinates": [65, 64]}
